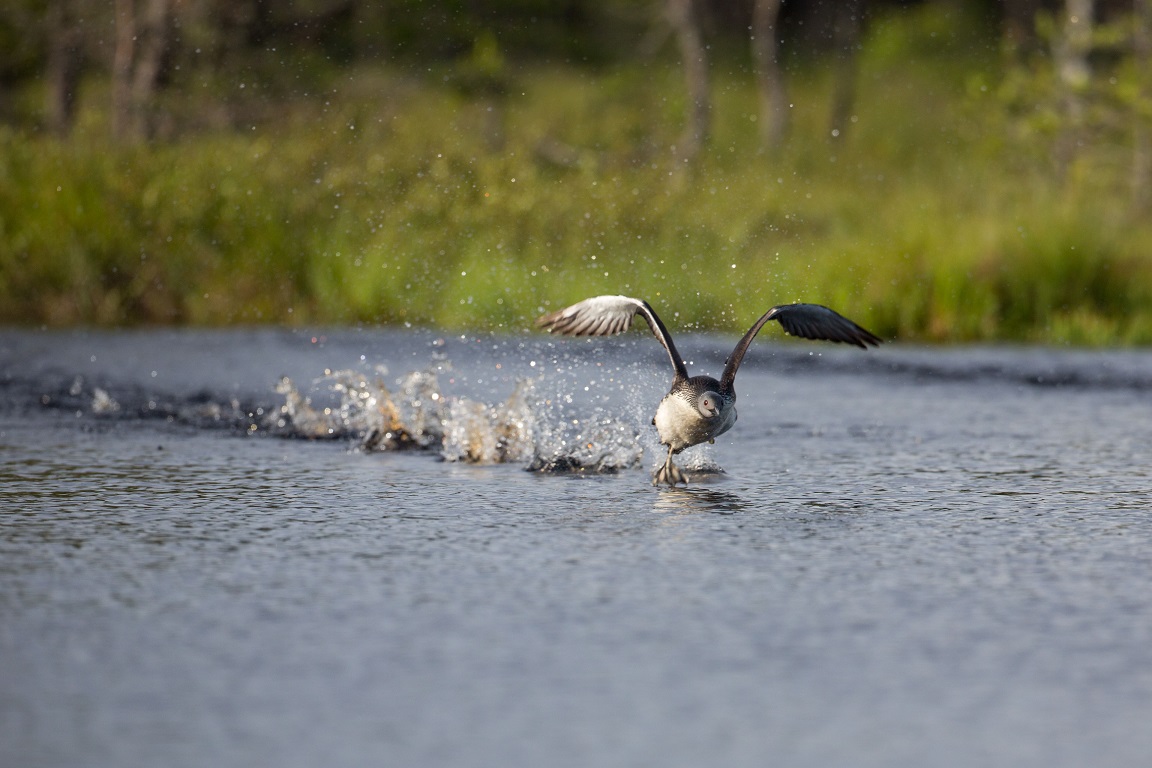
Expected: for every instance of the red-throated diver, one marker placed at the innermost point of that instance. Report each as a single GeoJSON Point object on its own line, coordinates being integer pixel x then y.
{"type": "Point", "coordinates": [698, 409]}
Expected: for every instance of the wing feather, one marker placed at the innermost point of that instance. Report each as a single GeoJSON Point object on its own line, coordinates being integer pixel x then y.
{"type": "Point", "coordinates": [808, 321]}
{"type": "Point", "coordinates": [607, 316]}
{"type": "Point", "coordinates": [813, 321]}
{"type": "Point", "coordinates": [598, 316]}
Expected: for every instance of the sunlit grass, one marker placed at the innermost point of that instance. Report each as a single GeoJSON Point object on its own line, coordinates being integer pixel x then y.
{"type": "Point", "coordinates": [392, 201]}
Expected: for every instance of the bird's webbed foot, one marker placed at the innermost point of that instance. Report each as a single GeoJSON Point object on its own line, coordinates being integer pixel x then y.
{"type": "Point", "coordinates": [669, 474]}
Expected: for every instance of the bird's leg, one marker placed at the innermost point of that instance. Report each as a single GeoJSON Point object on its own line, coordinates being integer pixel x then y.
{"type": "Point", "coordinates": [669, 473]}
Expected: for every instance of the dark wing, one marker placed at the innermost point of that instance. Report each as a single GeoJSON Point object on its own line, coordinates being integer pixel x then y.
{"type": "Point", "coordinates": [812, 321]}
{"type": "Point", "coordinates": [808, 321]}
{"type": "Point", "coordinates": [607, 316]}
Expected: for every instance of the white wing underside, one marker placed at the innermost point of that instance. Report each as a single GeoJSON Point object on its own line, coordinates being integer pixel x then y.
{"type": "Point", "coordinates": [598, 316]}
{"type": "Point", "coordinates": [607, 316]}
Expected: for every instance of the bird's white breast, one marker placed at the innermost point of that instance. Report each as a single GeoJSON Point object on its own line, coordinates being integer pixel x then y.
{"type": "Point", "coordinates": [681, 426]}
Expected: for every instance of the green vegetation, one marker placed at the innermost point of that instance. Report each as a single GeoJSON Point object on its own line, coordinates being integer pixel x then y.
{"type": "Point", "coordinates": [388, 200]}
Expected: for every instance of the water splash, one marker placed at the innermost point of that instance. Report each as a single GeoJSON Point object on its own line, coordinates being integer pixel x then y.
{"type": "Point", "coordinates": [102, 402]}
{"type": "Point", "coordinates": [600, 444]}
{"type": "Point", "coordinates": [540, 426]}
{"type": "Point", "coordinates": [492, 434]}
{"type": "Point", "coordinates": [526, 428]}
{"type": "Point", "coordinates": [366, 410]}
{"type": "Point", "coordinates": [698, 460]}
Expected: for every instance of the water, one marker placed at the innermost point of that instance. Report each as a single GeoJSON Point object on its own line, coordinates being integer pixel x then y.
{"type": "Point", "coordinates": [912, 557]}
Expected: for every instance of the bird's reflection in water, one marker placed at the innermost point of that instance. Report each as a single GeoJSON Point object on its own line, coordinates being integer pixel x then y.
{"type": "Point", "coordinates": [694, 499]}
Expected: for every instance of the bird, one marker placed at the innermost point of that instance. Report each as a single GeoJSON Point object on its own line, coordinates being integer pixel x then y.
{"type": "Point", "coordinates": [698, 409]}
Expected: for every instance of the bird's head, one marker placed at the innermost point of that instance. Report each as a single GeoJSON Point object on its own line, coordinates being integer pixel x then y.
{"type": "Point", "coordinates": [709, 404]}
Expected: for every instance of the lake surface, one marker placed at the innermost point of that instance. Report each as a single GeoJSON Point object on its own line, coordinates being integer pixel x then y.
{"type": "Point", "coordinates": [911, 557]}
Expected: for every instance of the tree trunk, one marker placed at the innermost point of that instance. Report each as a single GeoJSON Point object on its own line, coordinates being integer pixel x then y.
{"type": "Point", "coordinates": [692, 52]}
{"type": "Point", "coordinates": [1142, 121]}
{"type": "Point", "coordinates": [846, 32]}
{"type": "Point", "coordinates": [1070, 55]}
{"type": "Point", "coordinates": [122, 57]}
{"type": "Point", "coordinates": [141, 41]}
{"type": "Point", "coordinates": [770, 79]}
{"type": "Point", "coordinates": [1019, 27]}
{"type": "Point", "coordinates": [1074, 45]}
{"type": "Point", "coordinates": [63, 66]}
{"type": "Point", "coordinates": [152, 45]}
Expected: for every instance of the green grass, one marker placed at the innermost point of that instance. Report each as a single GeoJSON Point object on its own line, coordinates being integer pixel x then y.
{"type": "Point", "coordinates": [390, 201]}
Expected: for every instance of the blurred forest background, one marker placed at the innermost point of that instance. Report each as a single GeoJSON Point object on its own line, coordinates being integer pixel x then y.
{"type": "Point", "coordinates": [942, 170]}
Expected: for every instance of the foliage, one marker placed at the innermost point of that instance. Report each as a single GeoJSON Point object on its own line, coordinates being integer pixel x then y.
{"type": "Point", "coordinates": [1053, 118]}
{"type": "Point", "coordinates": [385, 199]}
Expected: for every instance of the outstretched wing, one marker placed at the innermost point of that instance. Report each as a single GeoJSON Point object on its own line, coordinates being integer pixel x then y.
{"type": "Point", "coordinates": [812, 321]}
{"type": "Point", "coordinates": [808, 321]}
{"type": "Point", "coordinates": [607, 316]}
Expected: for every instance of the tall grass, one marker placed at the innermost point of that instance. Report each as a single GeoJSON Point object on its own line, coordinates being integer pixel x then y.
{"type": "Point", "coordinates": [392, 201]}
